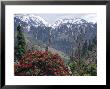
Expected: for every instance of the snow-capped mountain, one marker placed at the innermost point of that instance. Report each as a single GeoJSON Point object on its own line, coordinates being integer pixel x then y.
{"type": "Point", "coordinates": [64, 32]}
{"type": "Point", "coordinates": [34, 20]}
{"type": "Point", "coordinates": [69, 21]}
{"type": "Point", "coordinates": [30, 20]}
{"type": "Point", "coordinates": [35, 26]}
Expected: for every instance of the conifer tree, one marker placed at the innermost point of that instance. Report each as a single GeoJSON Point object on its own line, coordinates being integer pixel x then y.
{"type": "Point", "coordinates": [20, 47]}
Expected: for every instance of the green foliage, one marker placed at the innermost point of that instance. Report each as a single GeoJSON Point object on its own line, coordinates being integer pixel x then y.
{"type": "Point", "coordinates": [86, 48]}
{"type": "Point", "coordinates": [20, 47]}
{"type": "Point", "coordinates": [92, 69]}
{"type": "Point", "coordinates": [86, 66]}
{"type": "Point", "coordinates": [81, 68]}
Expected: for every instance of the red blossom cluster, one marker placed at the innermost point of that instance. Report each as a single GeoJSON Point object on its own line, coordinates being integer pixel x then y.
{"type": "Point", "coordinates": [41, 63]}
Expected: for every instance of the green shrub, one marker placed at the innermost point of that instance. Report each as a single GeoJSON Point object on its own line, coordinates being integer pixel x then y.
{"type": "Point", "coordinates": [81, 68]}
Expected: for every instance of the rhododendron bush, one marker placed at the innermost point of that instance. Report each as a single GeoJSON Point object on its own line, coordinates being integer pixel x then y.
{"type": "Point", "coordinates": [41, 63]}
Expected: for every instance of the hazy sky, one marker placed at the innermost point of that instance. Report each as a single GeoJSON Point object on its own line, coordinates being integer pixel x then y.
{"type": "Point", "coordinates": [51, 18]}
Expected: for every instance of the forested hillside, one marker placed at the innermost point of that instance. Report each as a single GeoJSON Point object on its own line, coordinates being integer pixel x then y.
{"type": "Point", "coordinates": [66, 48]}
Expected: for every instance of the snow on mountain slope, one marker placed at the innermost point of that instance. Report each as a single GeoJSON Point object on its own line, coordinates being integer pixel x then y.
{"type": "Point", "coordinates": [31, 19]}
{"type": "Point", "coordinates": [68, 21]}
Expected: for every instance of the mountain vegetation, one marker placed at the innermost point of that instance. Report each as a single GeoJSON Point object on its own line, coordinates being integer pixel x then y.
{"type": "Point", "coordinates": [66, 48]}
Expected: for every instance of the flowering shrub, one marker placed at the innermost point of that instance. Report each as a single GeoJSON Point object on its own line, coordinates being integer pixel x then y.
{"type": "Point", "coordinates": [41, 63]}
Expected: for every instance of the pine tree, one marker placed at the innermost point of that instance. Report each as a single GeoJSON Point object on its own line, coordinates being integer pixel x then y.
{"type": "Point", "coordinates": [20, 47]}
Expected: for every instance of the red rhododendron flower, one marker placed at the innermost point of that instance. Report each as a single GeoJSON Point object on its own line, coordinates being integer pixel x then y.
{"type": "Point", "coordinates": [41, 63]}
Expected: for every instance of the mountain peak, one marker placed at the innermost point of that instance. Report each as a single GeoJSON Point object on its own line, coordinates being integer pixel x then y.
{"type": "Point", "coordinates": [69, 21]}
{"type": "Point", "coordinates": [30, 18]}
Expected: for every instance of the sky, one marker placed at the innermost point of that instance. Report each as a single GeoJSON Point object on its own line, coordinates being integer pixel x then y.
{"type": "Point", "coordinates": [51, 18]}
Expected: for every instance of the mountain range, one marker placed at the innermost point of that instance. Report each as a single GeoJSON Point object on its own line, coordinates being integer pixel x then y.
{"type": "Point", "coordinates": [64, 34]}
